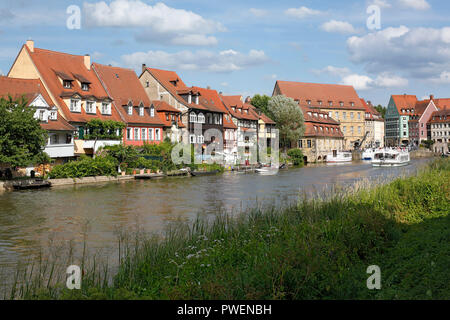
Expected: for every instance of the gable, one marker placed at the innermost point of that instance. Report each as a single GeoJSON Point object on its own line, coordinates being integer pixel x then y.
{"type": "Point", "coordinates": [39, 102]}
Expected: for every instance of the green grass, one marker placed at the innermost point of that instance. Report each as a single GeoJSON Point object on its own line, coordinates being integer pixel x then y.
{"type": "Point", "coordinates": [314, 249]}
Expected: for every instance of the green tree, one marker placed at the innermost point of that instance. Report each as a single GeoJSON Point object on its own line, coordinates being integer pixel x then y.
{"type": "Point", "coordinates": [261, 102]}
{"type": "Point", "coordinates": [381, 110]}
{"type": "Point", "coordinates": [22, 139]}
{"type": "Point", "coordinates": [288, 117]}
{"type": "Point", "coordinates": [296, 156]}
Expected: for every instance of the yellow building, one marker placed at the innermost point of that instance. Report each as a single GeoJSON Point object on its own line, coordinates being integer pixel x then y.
{"type": "Point", "coordinates": [340, 102]}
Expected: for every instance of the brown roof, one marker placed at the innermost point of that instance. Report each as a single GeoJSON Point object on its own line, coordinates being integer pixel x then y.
{"type": "Point", "coordinates": [52, 64]}
{"type": "Point", "coordinates": [315, 93]}
{"type": "Point", "coordinates": [241, 108]}
{"type": "Point", "coordinates": [167, 79]}
{"type": "Point", "coordinates": [162, 106]}
{"type": "Point", "coordinates": [31, 89]}
{"type": "Point", "coordinates": [124, 87]}
{"type": "Point", "coordinates": [440, 116]}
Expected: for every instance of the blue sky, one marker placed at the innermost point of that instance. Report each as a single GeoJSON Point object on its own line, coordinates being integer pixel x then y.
{"type": "Point", "coordinates": [243, 47]}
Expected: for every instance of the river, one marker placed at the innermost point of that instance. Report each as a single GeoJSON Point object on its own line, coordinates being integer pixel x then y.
{"type": "Point", "coordinates": [92, 214]}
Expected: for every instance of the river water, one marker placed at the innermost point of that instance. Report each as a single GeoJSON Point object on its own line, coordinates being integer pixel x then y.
{"type": "Point", "coordinates": [92, 214]}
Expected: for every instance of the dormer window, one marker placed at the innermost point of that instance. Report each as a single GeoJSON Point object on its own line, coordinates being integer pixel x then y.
{"type": "Point", "coordinates": [234, 109]}
{"type": "Point", "coordinates": [130, 109]}
{"type": "Point", "coordinates": [308, 102]}
{"type": "Point", "coordinates": [167, 116]}
{"type": "Point", "coordinates": [352, 104]}
{"type": "Point", "coordinates": [320, 103]}
{"type": "Point", "coordinates": [85, 86]}
{"type": "Point", "coordinates": [201, 118]}
{"type": "Point", "coordinates": [75, 105]}
{"type": "Point", "coordinates": [90, 107]}
{"type": "Point", "coordinates": [106, 108]}
{"type": "Point", "coordinates": [67, 84]}
{"type": "Point", "coordinates": [196, 100]}
{"type": "Point", "coordinates": [53, 115]}
{"type": "Point", "coordinates": [341, 104]}
{"type": "Point", "coordinates": [152, 111]}
{"type": "Point", "coordinates": [174, 82]}
{"type": "Point", "coordinates": [330, 103]}
{"type": "Point", "coordinates": [309, 114]}
{"type": "Point", "coordinates": [141, 110]}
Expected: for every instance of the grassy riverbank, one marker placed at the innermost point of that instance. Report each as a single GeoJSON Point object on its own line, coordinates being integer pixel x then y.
{"type": "Point", "coordinates": [315, 249]}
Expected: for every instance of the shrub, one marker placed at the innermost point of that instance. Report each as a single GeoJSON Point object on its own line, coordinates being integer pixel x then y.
{"type": "Point", "coordinates": [86, 167]}
{"type": "Point", "coordinates": [296, 156]}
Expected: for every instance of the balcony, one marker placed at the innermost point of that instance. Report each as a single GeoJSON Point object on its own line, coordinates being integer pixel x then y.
{"type": "Point", "coordinates": [60, 150]}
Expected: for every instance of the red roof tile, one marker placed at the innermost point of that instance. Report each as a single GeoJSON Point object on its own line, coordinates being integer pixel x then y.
{"type": "Point", "coordinates": [325, 93]}
{"type": "Point", "coordinates": [440, 116]}
{"type": "Point", "coordinates": [240, 108]}
{"type": "Point", "coordinates": [124, 87]}
{"type": "Point", "coordinates": [51, 63]}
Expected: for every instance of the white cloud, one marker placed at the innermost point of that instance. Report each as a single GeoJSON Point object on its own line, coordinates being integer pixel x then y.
{"type": "Point", "coordinates": [443, 78]}
{"type": "Point", "coordinates": [341, 27]}
{"type": "Point", "coordinates": [420, 53]}
{"type": "Point", "coordinates": [359, 82]}
{"type": "Point", "coordinates": [202, 60]}
{"type": "Point", "coordinates": [334, 71]}
{"type": "Point", "coordinates": [258, 12]}
{"type": "Point", "coordinates": [388, 80]}
{"type": "Point", "coordinates": [156, 23]}
{"type": "Point", "coordinates": [382, 3]}
{"type": "Point", "coordinates": [225, 84]}
{"type": "Point", "coordinates": [302, 12]}
{"type": "Point", "coordinates": [415, 4]}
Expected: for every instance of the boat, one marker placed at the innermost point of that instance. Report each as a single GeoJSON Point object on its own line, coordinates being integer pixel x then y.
{"type": "Point", "coordinates": [204, 173]}
{"type": "Point", "coordinates": [339, 156]}
{"type": "Point", "coordinates": [31, 184]}
{"type": "Point", "coordinates": [391, 158]}
{"type": "Point", "coordinates": [368, 154]}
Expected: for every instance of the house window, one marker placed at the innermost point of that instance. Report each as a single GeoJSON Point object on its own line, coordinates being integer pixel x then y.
{"type": "Point", "coordinates": [144, 134]}
{"type": "Point", "coordinates": [336, 114]}
{"type": "Point", "coordinates": [54, 139]}
{"type": "Point", "coordinates": [53, 115]}
{"type": "Point", "coordinates": [341, 104]}
{"type": "Point", "coordinates": [308, 142]}
{"type": "Point", "coordinates": [359, 116]}
{"type": "Point", "coordinates": [136, 134]}
{"type": "Point", "coordinates": [150, 134]}
{"type": "Point", "coordinates": [351, 115]}
{"type": "Point", "coordinates": [192, 138]}
{"type": "Point", "coordinates": [167, 116]}
{"type": "Point", "coordinates": [90, 108]}
{"type": "Point", "coordinates": [67, 84]}
{"type": "Point", "coordinates": [157, 134]}
{"type": "Point", "coordinates": [85, 86]}
{"type": "Point", "coordinates": [129, 134]}
{"type": "Point", "coordinates": [141, 111]}
{"type": "Point", "coordinates": [106, 108]}
{"type": "Point", "coordinates": [359, 130]}
{"type": "Point", "coordinates": [152, 111]}
{"type": "Point", "coordinates": [130, 109]}
{"type": "Point", "coordinates": [352, 104]}
{"type": "Point", "coordinates": [200, 139]}
{"type": "Point", "coordinates": [344, 129]}
{"type": "Point", "coordinates": [41, 115]}
{"type": "Point", "coordinates": [147, 84]}
{"type": "Point", "coordinates": [330, 103]}
{"type": "Point", "coordinates": [75, 105]}
{"type": "Point", "coordinates": [201, 118]}
{"type": "Point", "coordinates": [344, 115]}
{"type": "Point", "coordinates": [193, 117]}
{"type": "Point", "coordinates": [308, 102]}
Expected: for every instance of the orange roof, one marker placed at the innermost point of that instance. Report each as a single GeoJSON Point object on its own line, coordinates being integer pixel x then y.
{"type": "Point", "coordinates": [404, 101]}
{"type": "Point", "coordinates": [318, 93]}
{"type": "Point", "coordinates": [162, 106]}
{"type": "Point", "coordinates": [241, 110]}
{"type": "Point", "coordinates": [442, 103]}
{"type": "Point", "coordinates": [371, 111]}
{"type": "Point", "coordinates": [440, 116]}
{"type": "Point", "coordinates": [124, 87]}
{"type": "Point", "coordinates": [173, 83]}
{"type": "Point", "coordinates": [53, 65]}
{"type": "Point", "coordinates": [30, 89]}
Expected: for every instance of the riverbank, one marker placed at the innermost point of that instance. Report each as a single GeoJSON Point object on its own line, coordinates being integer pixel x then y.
{"type": "Point", "coordinates": [315, 249]}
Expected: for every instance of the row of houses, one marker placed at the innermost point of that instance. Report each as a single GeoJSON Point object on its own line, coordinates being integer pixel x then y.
{"type": "Point", "coordinates": [410, 121]}
{"type": "Point", "coordinates": [68, 91]}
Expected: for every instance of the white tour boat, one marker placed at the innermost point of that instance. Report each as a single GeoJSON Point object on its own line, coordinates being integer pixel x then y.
{"type": "Point", "coordinates": [338, 156]}
{"type": "Point", "coordinates": [391, 158]}
{"type": "Point", "coordinates": [368, 154]}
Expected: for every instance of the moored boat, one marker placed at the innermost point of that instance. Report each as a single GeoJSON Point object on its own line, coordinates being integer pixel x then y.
{"type": "Point", "coordinates": [368, 154]}
{"type": "Point", "coordinates": [31, 184]}
{"type": "Point", "coordinates": [391, 158]}
{"type": "Point", "coordinates": [338, 157]}
{"type": "Point", "coordinates": [204, 173]}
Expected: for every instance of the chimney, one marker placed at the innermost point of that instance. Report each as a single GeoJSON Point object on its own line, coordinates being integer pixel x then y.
{"type": "Point", "coordinates": [30, 45]}
{"type": "Point", "coordinates": [431, 97]}
{"type": "Point", "coordinates": [208, 87]}
{"type": "Point", "coordinates": [87, 61]}
{"type": "Point", "coordinates": [144, 67]}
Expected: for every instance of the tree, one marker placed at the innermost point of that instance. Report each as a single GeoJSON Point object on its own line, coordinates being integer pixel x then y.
{"type": "Point", "coordinates": [381, 110]}
{"type": "Point", "coordinates": [261, 102]}
{"type": "Point", "coordinates": [22, 140]}
{"type": "Point", "coordinates": [296, 156]}
{"type": "Point", "coordinates": [288, 117]}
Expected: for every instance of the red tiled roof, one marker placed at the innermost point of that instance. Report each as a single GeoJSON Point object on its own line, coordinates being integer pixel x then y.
{"type": "Point", "coordinates": [442, 103]}
{"type": "Point", "coordinates": [440, 116]}
{"type": "Point", "coordinates": [260, 115]}
{"type": "Point", "coordinates": [371, 111]}
{"type": "Point", "coordinates": [30, 89]}
{"type": "Point", "coordinates": [240, 108]}
{"type": "Point", "coordinates": [50, 63]}
{"type": "Point", "coordinates": [325, 93]}
{"type": "Point", "coordinates": [162, 106]}
{"type": "Point", "coordinates": [165, 77]}
{"type": "Point", "coordinates": [404, 101]}
{"type": "Point", "coordinates": [124, 87]}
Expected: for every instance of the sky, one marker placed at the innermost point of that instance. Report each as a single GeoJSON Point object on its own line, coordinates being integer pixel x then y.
{"type": "Point", "coordinates": [243, 47]}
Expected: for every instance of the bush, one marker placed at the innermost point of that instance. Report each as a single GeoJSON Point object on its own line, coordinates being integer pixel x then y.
{"type": "Point", "coordinates": [296, 156]}
{"type": "Point", "coordinates": [86, 167]}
